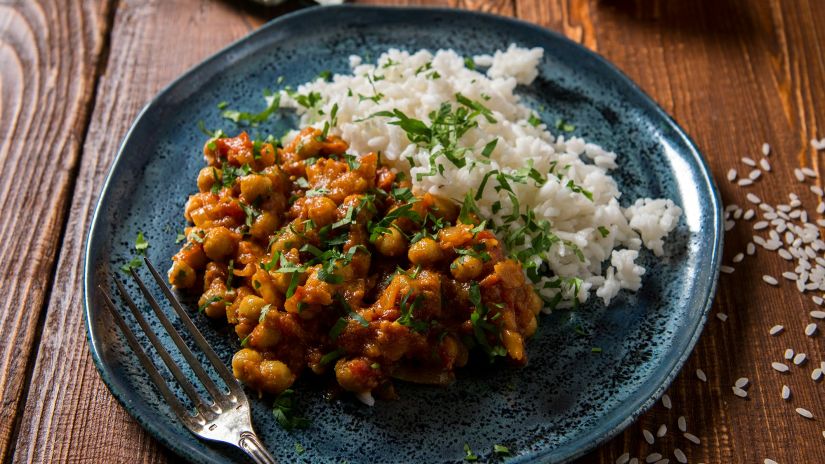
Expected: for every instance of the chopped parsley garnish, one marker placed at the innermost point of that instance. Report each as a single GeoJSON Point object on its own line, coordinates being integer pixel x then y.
{"type": "Point", "coordinates": [482, 327]}
{"type": "Point", "coordinates": [407, 308]}
{"type": "Point", "coordinates": [331, 356]}
{"type": "Point", "coordinates": [501, 449]}
{"type": "Point", "coordinates": [578, 189]}
{"type": "Point", "coordinates": [534, 120]}
{"type": "Point", "coordinates": [561, 124]}
{"type": "Point", "coordinates": [333, 121]}
{"type": "Point", "coordinates": [468, 453]}
{"type": "Point", "coordinates": [604, 231]}
{"type": "Point", "coordinates": [134, 263]}
{"type": "Point", "coordinates": [309, 100]}
{"type": "Point", "coordinates": [595, 349]}
{"type": "Point", "coordinates": [469, 63]}
{"type": "Point", "coordinates": [251, 214]}
{"type": "Point", "coordinates": [179, 238]}
{"type": "Point", "coordinates": [208, 302]}
{"type": "Point", "coordinates": [283, 410]}
{"type": "Point", "coordinates": [230, 273]}
{"type": "Point", "coordinates": [299, 448]}
{"type": "Point", "coordinates": [222, 105]}
{"type": "Point", "coordinates": [264, 311]}
{"type": "Point", "coordinates": [325, 74]}
{"type": "Point", "coordinates": [273, 102]}
{"type": "Point", "coordinates": [141, 244]}
{"type": "Point", "coordinates": [488, 149]}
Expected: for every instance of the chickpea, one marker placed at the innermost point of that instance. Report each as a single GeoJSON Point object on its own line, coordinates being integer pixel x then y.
{"type": "Point", "coordinates": [218, 243]}
{"type": "Point", "coordinates": [250, 307]}
{"type": "Point", "coordinates": [213, 303]}
{"type": "Point", "coordinates": [424, 251]}
{"type": "Point", "coordinates": [321, 210]}
{"type": "Point", "coordinates": [392, 243]}
{"type": "Point", "coordinates": [514, 344]}
{"type": "Point", "coordinates": [275, 376]}
{"type": "Point", "coordinates": [264, 338]}
{"type": "Point", "coordinates": [207, 178]}
{"type": "Point", "coordinates": [181, 275]}
{"type": "Point", "coordinates": [264, 225]}
{"type": "Point", "coordinates": [254, 186]}
{"type": "Point", "coordinates": [466, 268]}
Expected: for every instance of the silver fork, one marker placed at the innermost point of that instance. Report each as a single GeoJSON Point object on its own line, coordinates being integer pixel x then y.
{"type": "Point", "coordinates": [226, 419]}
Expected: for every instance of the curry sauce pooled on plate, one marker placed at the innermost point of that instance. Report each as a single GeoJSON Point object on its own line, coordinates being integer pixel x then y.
{"type": "Point", "coordinates": [329, 262]}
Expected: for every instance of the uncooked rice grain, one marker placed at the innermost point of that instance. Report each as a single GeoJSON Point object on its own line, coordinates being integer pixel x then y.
{"type": "Point", "coordinates": [739, 392]}
{"type": "Point", "coordinates": [623, 459]}
{"type": "Point", "coordinates": [779, 367]}
{"type": "Point", "coordinates": [804, 413]}
{"type": "Point", "coordinates": [732, 175]}
{"type": "Point", "coordinates": [741, 382]}
{"type": "Point", "coordinates": [818, 314]}
{"type": "Point", "coordinates": [818, 144]}
{"type": "Point", "coordinates": [766, 149]}
{"type": "Point", "coordinates": [700, 374]}
{"type": "Point", "coordinates": [770, 461]}
{"type": "Point", "coordinates": [810, 329]}
{"type": "Point", "coordinates": [722, 316]}
{"type": "Point", "coordinates": [666, 401]}
{"type": "Point", "coordinates": [808, 171]}
{"type": "Point", "coordinates": [799, 358]}
{"type": "Point", "coordinates": [816, 374]}
{"type": "Point", "coordinates": [750, 249]}
{"type": "Point", "coordinates": [653, 457]}
{"type": "Point", "coordinates": [799, 175]}
{"type": "Point", "coordinates": [744, 182]}
{"type": "Point", "coordinates": [817, 191]}
{"type": "Point", "coordinates": [726, 269]}
{"type": "Point", "coordinates": [770, 280]}
{"type": "Point", "coordinates": [760, 225]}
{"type": "Point", "coordinates": [754, 174]}
{"type": "Point", "coordinates": [680, 456]}
{"type": "Point", "coordinates": [748, 215]}
{"type": "Point", "coordinates": [765, 164]}
{"type": "Point", "coordinates": [753, 199]}
{"type": "Point", "coordinates": [789, 354]}
{"type": "Point", "coordinates": [786, 392]}
{"type": "Point", "coordinates": [776, 330]}
{"type": "Point", "coordinates": [662, 431]}
{"type": "Point", "coordinates": [648, 436]}
{"type": "Point", "coordinates": [692, 438]}
{"type": "Point", "coordinates": [682, 423]}
{"type": "Point", "coordinates": [748, 161]}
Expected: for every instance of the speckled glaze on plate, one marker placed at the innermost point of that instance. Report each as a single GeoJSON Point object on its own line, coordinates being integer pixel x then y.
{"type": "Point", "coordinates": [568, 399]}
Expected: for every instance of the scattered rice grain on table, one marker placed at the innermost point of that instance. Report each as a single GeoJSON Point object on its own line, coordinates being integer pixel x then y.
{"type": "Point", "coordinates": [804, 413]}
{"type": "Point", "coordinates": [780, 367]}
{"type": "Point", "coordinates": [776, 330]}
{"type": "Point", "coordinates": [648, 436]}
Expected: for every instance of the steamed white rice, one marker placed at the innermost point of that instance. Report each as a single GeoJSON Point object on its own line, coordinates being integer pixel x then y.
{"type": "Point", "coordinates": [397, 81]}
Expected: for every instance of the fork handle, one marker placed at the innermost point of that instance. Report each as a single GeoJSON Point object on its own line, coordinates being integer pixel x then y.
{"type": "Point", "coordinates": [252, 446]}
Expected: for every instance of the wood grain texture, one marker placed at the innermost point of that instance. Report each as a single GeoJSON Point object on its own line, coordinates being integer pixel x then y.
{"type": "Point", "coordinates": [70, 416]}
{"type": "Point", "coordinates": [733, 73]}
{"type": "Point", "coordinates": [49, 54]}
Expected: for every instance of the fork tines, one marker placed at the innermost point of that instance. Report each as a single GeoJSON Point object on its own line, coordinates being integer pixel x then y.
{"type": "Point", "coordinates": [206, 410]}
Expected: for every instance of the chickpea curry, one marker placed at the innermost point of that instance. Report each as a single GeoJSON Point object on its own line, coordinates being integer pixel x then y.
{"type": "Point", "coordinates": [329, 262]}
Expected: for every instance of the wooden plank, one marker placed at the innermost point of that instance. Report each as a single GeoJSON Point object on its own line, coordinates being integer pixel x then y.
{"type": "Point", "coordinates": [734, 75]}
{"type": "Point", "coordinates": [49, 55]}
{"type": "Point", "coordinates": [70, 416]}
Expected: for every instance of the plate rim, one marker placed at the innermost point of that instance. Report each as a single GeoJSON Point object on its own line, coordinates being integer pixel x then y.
{"type": "Point", "coordinates": [630, 410]}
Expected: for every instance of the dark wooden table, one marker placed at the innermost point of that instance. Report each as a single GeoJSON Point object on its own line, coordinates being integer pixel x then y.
{"type": "Point", "coordinates": [73, 75]}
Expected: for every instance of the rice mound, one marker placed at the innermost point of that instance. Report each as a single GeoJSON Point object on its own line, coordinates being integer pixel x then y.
{"type": "Point", "coordinates": [600, 240]}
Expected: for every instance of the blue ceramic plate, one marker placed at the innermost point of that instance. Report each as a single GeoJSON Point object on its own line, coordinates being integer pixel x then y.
{"type": "Point", "coordinates": [567, 400]}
